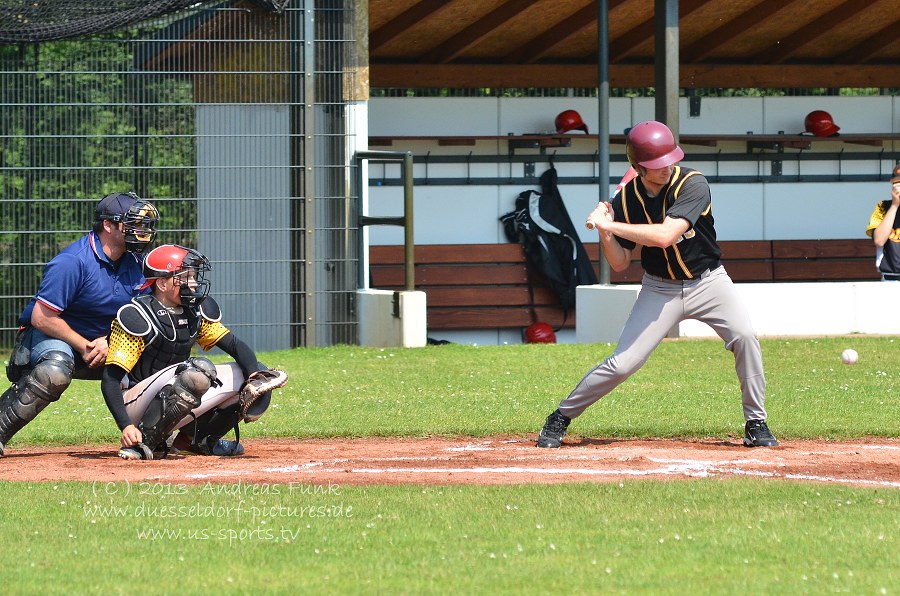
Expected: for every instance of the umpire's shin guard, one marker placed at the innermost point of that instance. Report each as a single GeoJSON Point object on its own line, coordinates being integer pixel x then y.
{"type": "Point", "coordinates": [22, 402]}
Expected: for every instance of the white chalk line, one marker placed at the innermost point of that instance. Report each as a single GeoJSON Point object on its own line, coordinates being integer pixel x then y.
{"type": "Point", "coordinates": [689, 471]}
{"type": "Point", "coordinates": [881, 447]}
{"type": "Point", "coordinates": [688, 468]}
{"type": "Point", "coordinates": [669, 466]}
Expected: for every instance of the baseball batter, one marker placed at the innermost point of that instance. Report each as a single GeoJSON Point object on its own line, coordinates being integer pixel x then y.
{"type": "Point", "coordinates": [667, 211]}
{"type": "Point", "coordinates": [150, 353]}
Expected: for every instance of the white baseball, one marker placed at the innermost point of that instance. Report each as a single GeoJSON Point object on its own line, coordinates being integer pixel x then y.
{"type": "Point", "coordinates": [849, 356]}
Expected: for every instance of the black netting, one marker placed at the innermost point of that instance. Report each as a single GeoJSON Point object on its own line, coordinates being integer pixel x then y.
{"type": "Point", "coordinates": [32, 21]}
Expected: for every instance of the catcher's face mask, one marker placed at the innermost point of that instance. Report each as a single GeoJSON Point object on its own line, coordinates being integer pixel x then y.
{"type": "Point", "coordinates": [191, 278]}
{"type": "Point", "coordinates": [186, 267]}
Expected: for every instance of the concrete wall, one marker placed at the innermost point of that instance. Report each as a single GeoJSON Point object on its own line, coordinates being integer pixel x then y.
{"type": "Point", "coordinates": [243, 152]}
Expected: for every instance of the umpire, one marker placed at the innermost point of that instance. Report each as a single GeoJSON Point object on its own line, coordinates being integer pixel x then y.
{"type": "Point", "coordinates": [63, 330]}
{"type": "Point", "coordinates": [667, 211]}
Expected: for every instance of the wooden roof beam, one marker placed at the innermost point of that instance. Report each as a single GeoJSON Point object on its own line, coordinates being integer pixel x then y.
{"type": "Point", "coordinates": [400, 24]}
{"type": "Point", "coordinates": [474, 33]}
{"type": "Point", "coordinates": [534, 48]}
{"type": "Point", "coordinates": [870, 46]}
{"type": "Point", "coordinates": [786, 48]}
{"type": "Point", "coordinates": [737, 26]}
{"type": "Point", "coordinates": [463, 76]}
{"type": "Point", "coordinates": [643, 31]}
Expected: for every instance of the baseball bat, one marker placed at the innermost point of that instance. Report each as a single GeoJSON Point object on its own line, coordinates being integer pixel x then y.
{"type": "Point", "coordinates": [629, 175]}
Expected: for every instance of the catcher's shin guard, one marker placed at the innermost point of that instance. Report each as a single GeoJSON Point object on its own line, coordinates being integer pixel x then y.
{"type": "Point", "coordinates": [34, 391]}
{"type": "Point", "coordinates": [212, 426]}
{"type": "Point", "coordinates": [218, 422]}
{"type": "Point", "coordinates": [192, 379]}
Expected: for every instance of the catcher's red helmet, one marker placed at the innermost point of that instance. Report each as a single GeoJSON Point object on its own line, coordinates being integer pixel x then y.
{"type": "Point", "coordinates": [171, 260]}
{"type": "Point", "coordinates": [820, 123]}
{"type": "Point", "coordinates": [652, 145]}
{"type": "Point", "coordinates": [540, 333]}
{"type": "Point", "coordinates": [569, 120]}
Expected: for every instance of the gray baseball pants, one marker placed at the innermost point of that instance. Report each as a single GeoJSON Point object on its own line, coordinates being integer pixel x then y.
{"type": "Point", "coordinates": [660, 305]}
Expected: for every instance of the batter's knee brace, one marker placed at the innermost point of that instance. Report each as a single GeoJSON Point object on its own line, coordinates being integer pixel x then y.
{"type": "Point", "coordinates": [45, 384]}
{"type": "Point", "coordinates": [623, 365]}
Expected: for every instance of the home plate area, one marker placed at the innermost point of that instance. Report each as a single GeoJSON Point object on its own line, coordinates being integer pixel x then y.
{"type": "Point", "coordinates": [488, 460]}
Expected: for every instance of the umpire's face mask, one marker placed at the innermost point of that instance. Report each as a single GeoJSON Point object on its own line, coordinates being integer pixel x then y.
{"type": "Point", "coordinates": [139, 226]}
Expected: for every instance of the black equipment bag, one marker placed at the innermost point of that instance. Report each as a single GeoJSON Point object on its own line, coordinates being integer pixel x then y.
{"type": "Point", "coordinates": [551, 244]}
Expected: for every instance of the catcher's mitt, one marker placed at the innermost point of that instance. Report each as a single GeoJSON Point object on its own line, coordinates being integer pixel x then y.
{"type": "Point", "coordinates": [256, 392]}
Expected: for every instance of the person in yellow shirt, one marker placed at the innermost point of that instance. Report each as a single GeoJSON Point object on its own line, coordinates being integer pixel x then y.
{"type": "Point", "coordinates": [884, 230]}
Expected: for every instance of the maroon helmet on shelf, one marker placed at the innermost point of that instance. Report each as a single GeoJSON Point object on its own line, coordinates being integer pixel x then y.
{"type": "Point", "coordinates": [540, 333]}
{"type": "Point", "coordinates": [820, 123]}
{"type": "Point", "coordinates": [569, 120]}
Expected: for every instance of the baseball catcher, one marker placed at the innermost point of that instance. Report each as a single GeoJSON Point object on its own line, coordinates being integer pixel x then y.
{"type": "Point", "coordinates": [152, 384]}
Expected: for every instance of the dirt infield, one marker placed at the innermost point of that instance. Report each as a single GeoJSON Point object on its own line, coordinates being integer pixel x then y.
{"type": "Point", "coordinates": [490, 460]}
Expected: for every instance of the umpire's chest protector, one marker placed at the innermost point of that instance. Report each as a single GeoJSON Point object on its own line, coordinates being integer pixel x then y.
{"type": "Point", "coordinates": [170, 336]}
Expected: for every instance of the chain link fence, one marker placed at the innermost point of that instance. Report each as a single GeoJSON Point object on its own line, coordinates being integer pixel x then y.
{"type": "Point", "coordinates": [232, 118]}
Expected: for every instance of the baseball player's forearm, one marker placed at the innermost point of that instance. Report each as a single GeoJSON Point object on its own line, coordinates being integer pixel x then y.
{"type": "Point", "coordinates": [658, 235]}
{"type": "Point", "coordinates": [50, 323]}
{"type": "Point", "coordinates": [615, 254]}
{"type": "Point", "coordinates": [883, 232]}
{"type": "Point", "coordinates": [243, 354]}
{"type": "Point", "coordinates": [111, 387]}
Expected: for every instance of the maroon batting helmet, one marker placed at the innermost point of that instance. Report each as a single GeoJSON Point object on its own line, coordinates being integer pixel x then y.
{"type": "Point", "coordinates": [820, 123]}
{"type": "Point", "coordinates": [652, 145]}
{"type": "Point", "coordinates": [569, 120]}
{"type": "Point", "coordinates": [540, 333]}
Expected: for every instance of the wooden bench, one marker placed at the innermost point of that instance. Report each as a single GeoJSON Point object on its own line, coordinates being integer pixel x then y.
{"type": "Point", "coordinates": [485, 286]}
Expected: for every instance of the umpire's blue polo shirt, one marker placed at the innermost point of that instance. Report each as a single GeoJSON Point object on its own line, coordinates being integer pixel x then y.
{"type": "Point", "coordinates": [86, 288]}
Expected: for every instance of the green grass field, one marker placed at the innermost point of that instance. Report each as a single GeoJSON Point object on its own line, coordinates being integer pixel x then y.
{"type": "Point", "coordinates": [704, 536]}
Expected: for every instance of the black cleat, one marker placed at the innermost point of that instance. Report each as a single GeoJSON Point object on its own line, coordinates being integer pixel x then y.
{"type": "Point", "coordinates": [757, 434]}
{"type": "Point", "coordinates": [554, 430]}
{"type": "Point", "coordinates": [138, 452]}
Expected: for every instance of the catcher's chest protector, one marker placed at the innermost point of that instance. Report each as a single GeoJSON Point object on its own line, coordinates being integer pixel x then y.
{"type": "Point", "coordinates": [170, 339]}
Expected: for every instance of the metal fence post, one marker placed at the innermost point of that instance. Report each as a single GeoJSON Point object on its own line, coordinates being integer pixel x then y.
{"type": "Point", "coordinates": [405, 220]}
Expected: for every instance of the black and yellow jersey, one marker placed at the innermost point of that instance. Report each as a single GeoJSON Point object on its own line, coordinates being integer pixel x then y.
{"type": "Point", "coordinates": [685, 196]}
{"type": "Point", "coordinates": [147, 337]}
{"type": "Point", "coordinates": [889, 261]}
